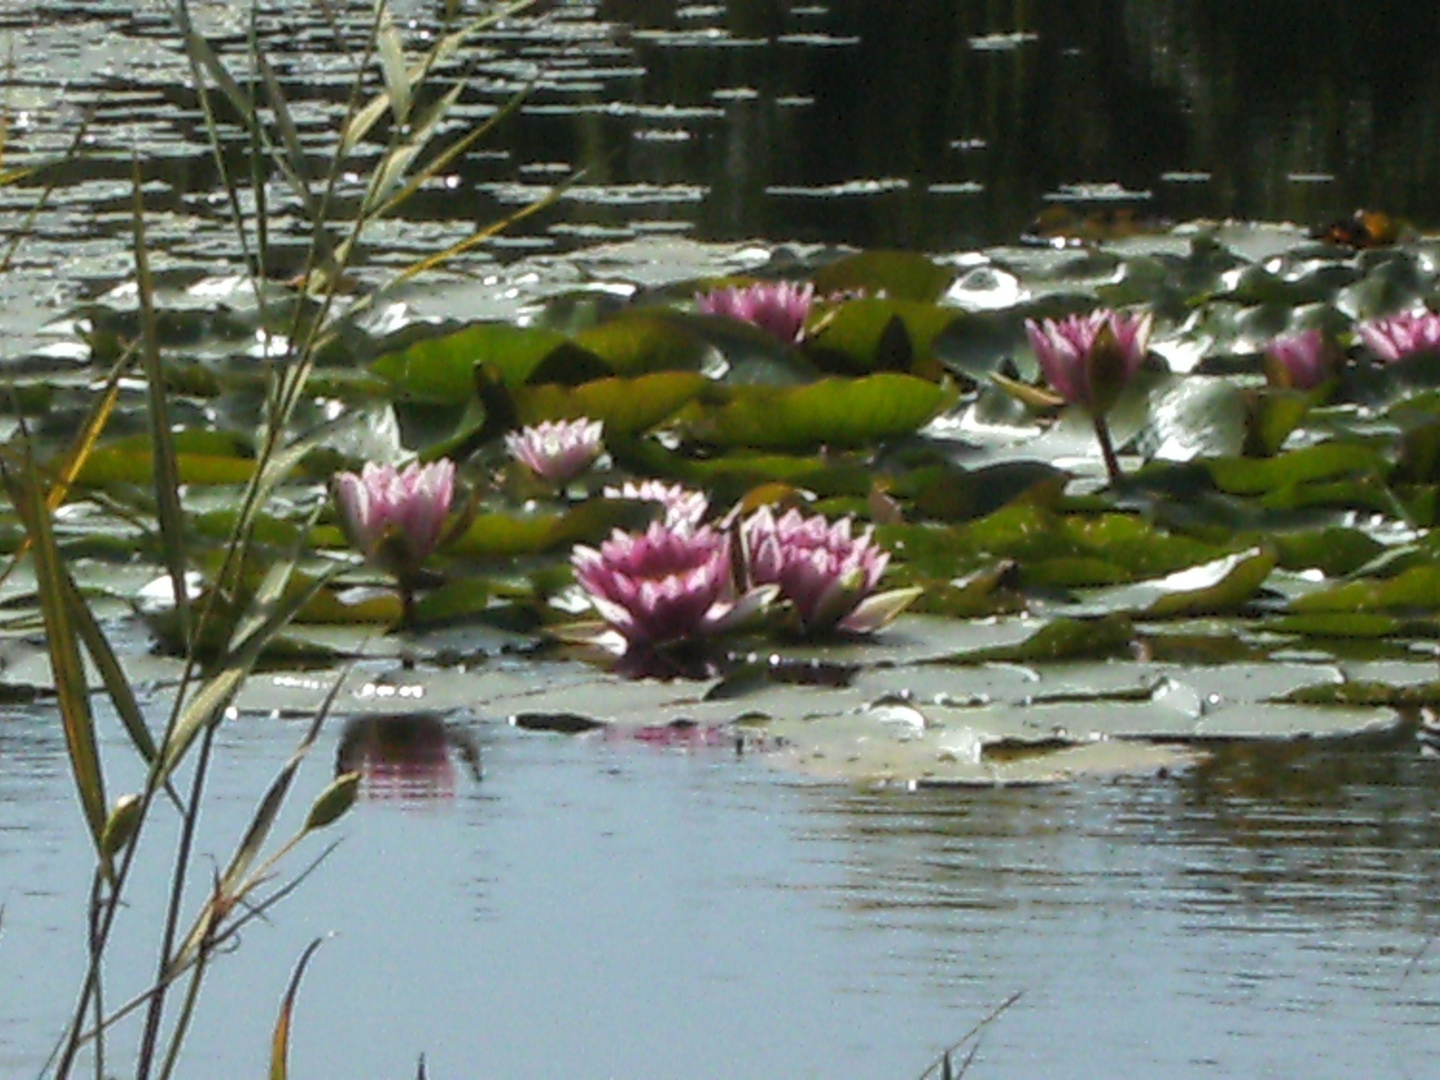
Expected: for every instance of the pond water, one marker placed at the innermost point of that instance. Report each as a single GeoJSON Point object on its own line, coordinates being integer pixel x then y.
{"type": "Point", "coordinates": [601, 908]}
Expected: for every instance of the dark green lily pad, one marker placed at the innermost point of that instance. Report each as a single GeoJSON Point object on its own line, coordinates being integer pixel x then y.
{"type": "Point", "coordinates": [626, 406]}
{"type": "Point", "coordinates": [900, 275]}
{"type": "Point", "coordinates": [831, 412]}
{"type": "Point", "coordinates": [442, 369]}
{"type": "Point", "coordinates": [506, 535]}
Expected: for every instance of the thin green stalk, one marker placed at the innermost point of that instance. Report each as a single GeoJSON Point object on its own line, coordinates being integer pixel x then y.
{"type": "Point", "coordinates": [97, 887]}
{"type": "Point", "coordinates": [1107, 450]}
{"type": "Point", "coordinates": [189, 821]}
{"type": "Point", "coordinates": [187, 1013]}
{"type": "Point", "coordinates": [232, 931]}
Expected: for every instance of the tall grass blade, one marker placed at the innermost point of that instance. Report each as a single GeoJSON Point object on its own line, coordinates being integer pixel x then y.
{"type": "Point", "coordinates": [259, 830]}
{"type": "Point", "coordinates": [167, 471]}
{"type": "Point", "coordinates": [392, 66]}
{"type": "Point", "coordinates": [943, 1063]}
{"type": "Point", "coordinates": [117, 686]}
{"type": "Point", "coordinates": [367, 117]}
{"type": "Point", "coordinates": [280, 1043]}
{"type": "Point", "coordinates": [440, 258]}
{"type": "Point", "coordinates": [208, 705]}
{"type": "Point", "coordinates": [71, 685]}
{"type": "Point", "coordinates": [203, 56]}
{"type": "Point", "coordinates": [292, 162]}
{"type": "Point", "coordinates": [85, 442]}
{"type": "Point", "coordinates": [446, 157]}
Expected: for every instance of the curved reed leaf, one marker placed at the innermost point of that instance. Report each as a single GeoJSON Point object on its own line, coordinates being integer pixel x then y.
{"type": "Point", "coordinates": [167, 471]}
{"type": "Point", "coordinates": [280, 1043]}
{"type": "Point", "coordinates": [71, 685]}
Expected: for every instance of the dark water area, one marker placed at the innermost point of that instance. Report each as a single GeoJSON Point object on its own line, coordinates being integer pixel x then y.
{"type": "Point", "coordinates": [933, 124]}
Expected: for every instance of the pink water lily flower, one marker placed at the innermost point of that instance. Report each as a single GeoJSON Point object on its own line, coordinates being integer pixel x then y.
{"type": "Point", "coordinates": [684, 509]}
{"type": "Point", "coordinates": [1300, 361]}
{"type": "Point", "coordinates": [1402, 335]}
{"type": "Point", "coordinates": [827, 573]}
{"type": "Point", "coordinates": [1088, 359]}
{"type": "Point", "coordinates": [779, 308]}
{"type": "Point", "coordinates": [396, 518]}
{"type": "Point", "coordinates": [557, 451]}
{"type": "Point", "coordinates": [664, 585]}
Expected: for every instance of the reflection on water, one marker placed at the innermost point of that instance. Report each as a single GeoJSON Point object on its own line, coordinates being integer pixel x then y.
{"type": "Point", "coordinates": [407, 756]}
{"type": "Point", "coordinates": [622, 909]}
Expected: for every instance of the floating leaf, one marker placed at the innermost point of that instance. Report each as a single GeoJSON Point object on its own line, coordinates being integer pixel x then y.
{"type": "Point", "coordinates": [1415, 590]}
{"type": "Point", "coordinates": [1254, 476]}
{"type": "Point", "coordinates": [900, 275]}
{"type": "Point", "coordinates": [869, 335]}
{"type": "Point", "coordinates": [626, 406]}
{"type": "Point", "coordinates": [441, 369]}
{"type": "Point", "coordinates": [507, 535]}
{"type": "Point", "coordinates": [831, 412]}
{"type": "Point", "coordinates": [1064, 637]}
{"type": "Point", "coordinates": [1221, 585]}
{"type": "Point", "coordinates": [638, 342]}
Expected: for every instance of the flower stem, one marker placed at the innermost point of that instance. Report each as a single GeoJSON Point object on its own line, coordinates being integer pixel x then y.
{"type": "Point", "coordinates": [407, 605]}
{"type": "Point", "coordinates": [1107, 449]}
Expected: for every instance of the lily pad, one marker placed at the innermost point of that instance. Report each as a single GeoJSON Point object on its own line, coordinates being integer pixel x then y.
{"type": "Point", "coordinates": [626, 406]}
{"type": "Point", "coordinates": [830, 412]}
{"type": "Point", "coordinates": [441, 369]}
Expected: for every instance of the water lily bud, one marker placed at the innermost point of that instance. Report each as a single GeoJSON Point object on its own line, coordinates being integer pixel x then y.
{"type": "Point", "coordinates": [120, 826]}
{"type": "Point", "coordinates": [557, 451]}
{"type": "Point", "coordinates": [1298, 361]}
{"type": "Point", "coordinates": [1402, 335]}
{"type": "Point", "coordinates": [332, 803]}
{"type": "Point", "coordinates": [1089, 359]}
{"type": "Point", "coordinates": [779, 308]}
{"type": "Point", "coordinates": [396, 518]}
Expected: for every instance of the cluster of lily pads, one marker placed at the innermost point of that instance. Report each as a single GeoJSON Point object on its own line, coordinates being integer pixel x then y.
{"type": "Point", "coordinates": [679, 580]}
{"type": "Point", "coordinates": [786, 550]}
{"type": "Point", "coordinates": [743, 475]}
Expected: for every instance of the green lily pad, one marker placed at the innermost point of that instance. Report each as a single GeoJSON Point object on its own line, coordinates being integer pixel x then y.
{"type": "Point", "coordinates": [202, 457]}
{"type": "Point", "coordinates": [506, 535]}
{"type": "Point", "coordinates": [868, 335]}
{"type": "Point", "coordinates": [637, 342]}
{"type": "Point", "coordinates": [1221, 585]}
{"type": "Point", "coordinates": [900, 275]}
{"type": "Point", "coordinates": [830, 412]}
{"type": "Point", "coordinates": [626, 406]}
{"type": "Point", "coordinates": [1255, 476]}
{"type": "Point", "coordinates": [441, 369]}
{"type": "Point", "coordinates": [1416, 590]}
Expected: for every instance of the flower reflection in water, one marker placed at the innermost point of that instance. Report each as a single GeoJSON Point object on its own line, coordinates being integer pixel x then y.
{"type": "Point", "coordinates": [410, 756]}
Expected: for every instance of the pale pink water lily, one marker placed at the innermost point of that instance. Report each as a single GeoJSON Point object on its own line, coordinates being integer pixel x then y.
{"type": "Point", "coordinates": [1298, 361]}
{"type": "Point", "coordinates": [557, 451]}
{"type": "Point", "coordinates": [684, 508]}
{"type": "Point", "coordinates": [665, 585]}
{"type": "Point", "coordinates": [1088, 359]}
{"type": "Point", "coordinates": [779, 308]}
{"type": "Point", "coordinates": [396, 517]}
{"type": "Point", "coordinates": [1398, 336]}
{"type": "Point", "coordinates": [826, 572]}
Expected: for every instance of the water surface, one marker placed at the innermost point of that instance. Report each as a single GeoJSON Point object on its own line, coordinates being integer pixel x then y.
{"type": "Point", "coordinates": [613, 910]}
